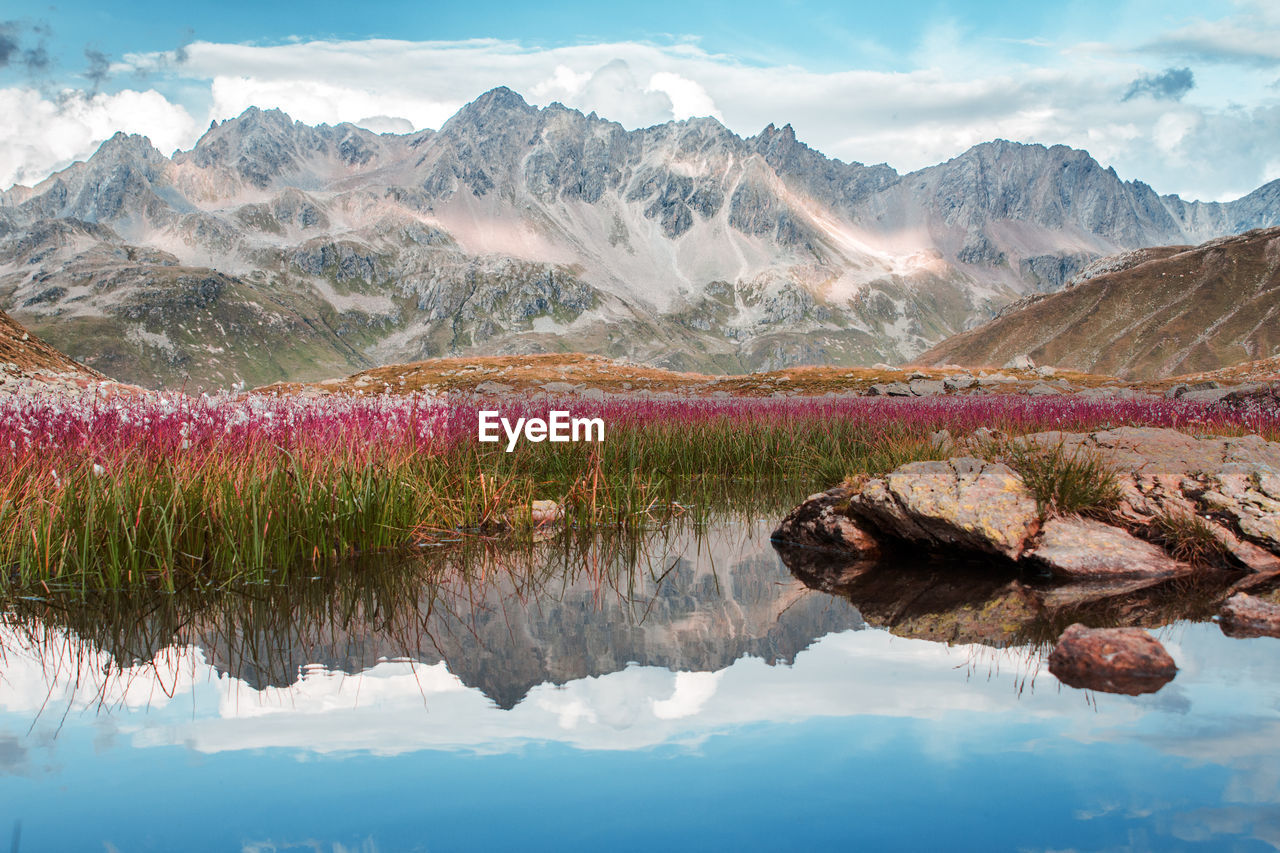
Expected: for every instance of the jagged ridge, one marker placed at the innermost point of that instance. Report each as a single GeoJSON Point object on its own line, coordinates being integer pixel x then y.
{"type": "Point", "coordinates": [276, 250]}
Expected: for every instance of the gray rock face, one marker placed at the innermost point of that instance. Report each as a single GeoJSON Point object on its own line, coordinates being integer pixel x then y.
{"type": "Point", "coordinates": [1052, 272]}
{"type": "Point", "coordinates": [959, 383]}
{"type": "Point", "coordinates": [926, 387]}
{"type": "Point", "coordinates": [1248, 495]}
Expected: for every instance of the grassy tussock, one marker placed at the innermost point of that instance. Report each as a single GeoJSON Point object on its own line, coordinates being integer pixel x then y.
{"type": "Point", "coordinates": [1190, 539]}
{"type": "Point", "coordinates": [1065, 483]}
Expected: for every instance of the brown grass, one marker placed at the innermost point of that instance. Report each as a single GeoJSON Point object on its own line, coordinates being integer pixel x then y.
{"type": "Point", "coordinates": [531, 372]}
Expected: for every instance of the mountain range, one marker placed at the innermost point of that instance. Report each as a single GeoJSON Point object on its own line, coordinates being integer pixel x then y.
{"type": "Point", "coordinates": [277, 250]}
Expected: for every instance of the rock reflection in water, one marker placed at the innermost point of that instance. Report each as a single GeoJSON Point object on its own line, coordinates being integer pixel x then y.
{"type": "Point", "coordinates": [932, 598]}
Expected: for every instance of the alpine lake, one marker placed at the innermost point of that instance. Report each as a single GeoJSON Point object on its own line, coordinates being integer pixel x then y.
{"type": "Point", "coordinates": [691, 688]}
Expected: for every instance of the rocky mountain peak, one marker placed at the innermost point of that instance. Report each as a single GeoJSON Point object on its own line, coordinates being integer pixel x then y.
{"type": "Point", "coordinates": [495, 104]}
{"type": "Point", "coordinates": [834, 182]}
{"type": "Point", "coordinates": [128, 146]}
{"type": "Point", "coordinates": [259, 146]}
{"type": "Point", "coordinates": [1054, 187]}
{"type": "Point", "coordinates": [117, 183]}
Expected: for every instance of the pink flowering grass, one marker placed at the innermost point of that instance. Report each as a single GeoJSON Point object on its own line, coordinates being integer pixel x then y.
{"type": "Point", "coordinates": [168, 489]}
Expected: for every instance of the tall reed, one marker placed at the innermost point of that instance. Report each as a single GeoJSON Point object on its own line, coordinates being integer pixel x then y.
{"type": "Point", "coordinates": [162, 490]}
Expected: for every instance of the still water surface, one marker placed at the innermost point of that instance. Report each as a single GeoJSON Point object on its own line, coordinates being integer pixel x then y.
{"type": "Point", "coordinates": [686, 692]}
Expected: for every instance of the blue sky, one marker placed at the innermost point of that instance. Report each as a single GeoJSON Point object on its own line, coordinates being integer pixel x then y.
{"type": "Point", "coordinates": [824, 35]}
{"type": "Point", "coordinates": [1184, 95]}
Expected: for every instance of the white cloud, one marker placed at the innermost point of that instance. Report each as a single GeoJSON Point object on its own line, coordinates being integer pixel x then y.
{"type": "Point", "coordinates": [317, 101]}
{"type": "Point", "coordinates": [385, 124]}
{"type": "Point", "coordinates": [692, 691]}
{"type": "Point", "coordinates": [1249, 36]}
{"type": "Point", "coordinates": [964, 90]}
{"type": "Point", "coordinates": [613, 91]}
{"type": "Point", "coordinates": [41, 134]}
{"type": "Point", "coordinates": [1171, 129]}
{"type": "Point", "coordinates": [688, 98]}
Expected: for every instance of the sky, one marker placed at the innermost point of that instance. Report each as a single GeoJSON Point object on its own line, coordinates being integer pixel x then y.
{"type": "Point", "coordinates": [1182, 95]}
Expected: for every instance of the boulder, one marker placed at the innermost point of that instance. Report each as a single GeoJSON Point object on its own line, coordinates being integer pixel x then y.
{"type": "Point", "coordinates": [959, 383]}
{"type": "Point", "coordinates": [1245, 615]}
{"type": "Point", "coordinates": [966, 502]}
{"type": "Point", "coordinates": [1262, 395]}
{"type": "Point", "coordinates": [1206, 395]}
{"type": "Point", "coordinates": [926, 387]}
{"type": "Point", "coordinates": [1020, 362]}
{"type": "Point", "coordinates": [1084, 549]}
{"type": "Point", "coordinates": [1229, 486]}
{"type": "Point", "coordinates": [1042, 389]}
{"type": "Point", "coordinates": [1111, 660]}
{"type": "Point", "coordinates": [1232, 484]}
{"type": "Point", "coordinates": [889, 389]}
{"type": "Point", "coordinates": [543, 513]}
{"type": "Point", "coordinates": [490, 387]}
{"type": "Point", "coordinates": [822, 521]}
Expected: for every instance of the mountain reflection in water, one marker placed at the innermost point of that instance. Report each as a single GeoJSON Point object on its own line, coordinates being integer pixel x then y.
{"type": "Point", "coordinates": [481, 673]}
{"type": "Point", "coordinates": [503, 620]}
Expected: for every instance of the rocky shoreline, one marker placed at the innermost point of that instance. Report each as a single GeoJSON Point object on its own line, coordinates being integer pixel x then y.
{"type": "Point", "coordinates": [1202, 513]}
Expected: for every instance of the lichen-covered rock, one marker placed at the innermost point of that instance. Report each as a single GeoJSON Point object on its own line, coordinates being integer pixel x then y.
{"type": "Point", "coordinates": [968, 502]}
{"type": "Point", "coordinates": [1152, 451]}
{"type": "Point", "coordinates": [1250, 496]}
{"type": "Point", "coordinates": [1245, 615]}
{"type": "Point", "coordinates": [1227, 486]}
{"type": "Point", "coordinates": [822, 521]}
{"type": "Point", "coordinates": [1111, 660]}
{"type": "Point", "coordinates": [1230, 483]}
{"type": "Point", "coordinates": [1084, 549]}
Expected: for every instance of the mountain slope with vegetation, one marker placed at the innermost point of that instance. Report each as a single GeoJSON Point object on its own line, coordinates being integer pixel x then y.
{"type": "Point", "coordinates": [1176, 310]}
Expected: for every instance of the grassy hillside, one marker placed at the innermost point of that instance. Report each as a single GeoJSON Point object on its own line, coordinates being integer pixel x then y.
{"type": "Point", "coordinates": [1199, 309]}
